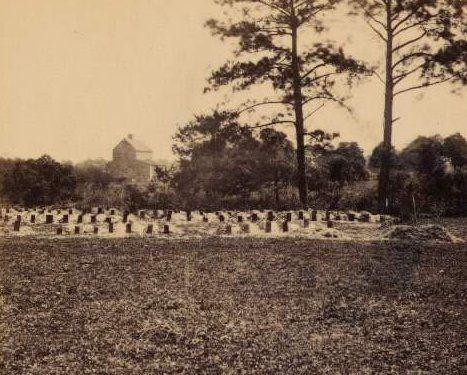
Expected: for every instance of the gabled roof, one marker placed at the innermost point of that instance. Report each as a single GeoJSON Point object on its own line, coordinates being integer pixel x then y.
{"type": "Point", "coordinates": [136, 144]}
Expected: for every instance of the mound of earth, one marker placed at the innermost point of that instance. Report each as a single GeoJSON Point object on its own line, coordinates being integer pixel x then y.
{"type": "Point", "coordinates": [429, 232]}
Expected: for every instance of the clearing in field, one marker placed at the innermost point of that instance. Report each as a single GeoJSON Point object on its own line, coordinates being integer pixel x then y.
{"type": "Point", "coordinates": [229, 305]}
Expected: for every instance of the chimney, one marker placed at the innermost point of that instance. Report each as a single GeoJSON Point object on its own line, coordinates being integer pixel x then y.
{"type": "Point", "coordinates": [130, 136]}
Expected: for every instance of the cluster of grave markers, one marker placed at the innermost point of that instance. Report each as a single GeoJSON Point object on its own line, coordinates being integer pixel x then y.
{"type": "Point", "coordinates": [112, 216]}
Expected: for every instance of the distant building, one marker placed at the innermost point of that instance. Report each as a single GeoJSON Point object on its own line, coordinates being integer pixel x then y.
{"type": "Point", "coordinates": [132, 162]}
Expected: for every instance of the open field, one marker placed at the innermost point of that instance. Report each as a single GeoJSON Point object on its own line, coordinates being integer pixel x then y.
{"type": "Point", "coordinates": [233, 305]}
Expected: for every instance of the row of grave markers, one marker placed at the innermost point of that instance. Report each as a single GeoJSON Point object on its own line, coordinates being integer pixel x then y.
{"type": "Point", "coordinates": [167, 215]}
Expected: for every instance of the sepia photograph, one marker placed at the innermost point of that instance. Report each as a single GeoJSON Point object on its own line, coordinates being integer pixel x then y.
{"type": "Point", "coordinates": [233, 187]}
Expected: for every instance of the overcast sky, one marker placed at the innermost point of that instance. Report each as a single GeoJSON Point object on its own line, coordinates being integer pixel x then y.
{"type": "Point", "coordinates": [76, 76]}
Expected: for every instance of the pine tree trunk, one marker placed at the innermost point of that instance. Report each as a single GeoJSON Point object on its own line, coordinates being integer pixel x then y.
{"type": "Point", "coordinates": [276, 194]}
{"type": "Point", "coordinates": [299, 122]}
{"type": "Point", "coordinates": [385, 171]}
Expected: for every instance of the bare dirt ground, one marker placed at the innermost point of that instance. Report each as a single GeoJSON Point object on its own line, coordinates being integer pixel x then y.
{"type": "Point", "coordinates": [231, 305]}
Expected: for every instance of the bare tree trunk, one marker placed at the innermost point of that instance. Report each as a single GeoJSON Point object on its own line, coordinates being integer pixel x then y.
{"type": "Point", "coordinates": [276, 194]}
{"type": "Point", "coordinates": [299, 121]}
{"type": "Point", "coordinates": [385, 171]}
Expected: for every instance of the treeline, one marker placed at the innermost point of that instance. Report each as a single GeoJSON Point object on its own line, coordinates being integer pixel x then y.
{"type": "Point", "coordinates": [284, 48]}
{"type": "Point", "coordinates": [225, 165]}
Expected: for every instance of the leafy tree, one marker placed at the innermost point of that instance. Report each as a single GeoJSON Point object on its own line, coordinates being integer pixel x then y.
{"type": "Point", "coordinates": [276, 164]}
{"type": "Point", "coordinates": [440, 188]}
{"type": "Point", "coordinates": [424, 155]}
{"type": "Point", "coordinates": [376, 156]}
{"type": "Point", "coordinates": [93, 173]}
{"type": "Point", "coordinates": [271, 50]}
{"type": "Point", "coordinates": [335, 168]}
{"type": "Point", "coordinates": [424, 45]}
{"type": "Point", "coordinates": [346, 163]}
{"type": "Point", "coordinates": [42, 181]}
{"type": "Point", "coordinates": [455, 149]}
{"type": "Point", "coordinates": [218, 157]}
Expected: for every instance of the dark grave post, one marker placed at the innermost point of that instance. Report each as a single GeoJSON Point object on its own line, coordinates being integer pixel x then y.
{"type": "Point", "coordinates": [365, 217]}
{"type": "Point", "coordinates": [65, 219]}
{"type": "Point", "coordinates": [77, 229]}
{"type": "Point", "coordinates": [328, 216]}
{"type": "Point", "coordinates": [306, 223]}
{"type": "Point", "coordinates": [351, 216]}
{"type": "Point", "coordinates": [16, 226]}
{"type": "Point", "coordinates": [125, 216]}
{"type": "Point", "coordinates": [111, 227]}
{"type": "Point", "coordinates": [96, 230]}
{"type": "Point", "coordinates": [59, 231]}
{"type": "Point", "coordinates": [70, 211]}
{"type": "Point", "coordinates": [112, 212]}
{"type": "Point", "coordinates": [166, 229]}
{"type": "Point", "coordinates": [18, 218]}
{"type": "Point", "coordinates": [268, 226]}
{"type": "Point", "coordinates": [33, 219]}
{"type": "Point", "coordinates": [205, 219]}
{"type": "Point", "coordinates": [150, 229]}
{"type": "Point", "coordinates": [314, 215]}
{"type": "Point", "coordinates": [300, 215]}
{"type": "Point", "coordinates": [49, 219]}
{"type": "Point", "coordinates": [240, 218]}
{"type": "Point", "coordinates": [128, 228]}
{"type": "Point", "coordinates": [221, 218]}
{"type": "Point", "coordinates": [285, 226]}
{"type": "Point", "coordinates": [330, 224]}
{"type": "Point", "coordinates": [100, 210]}
{"type": "Point", "coordinates": [289, 216]}
{"type": "Point", "coordinates": [188, 216]}
{"type": "Point", "coordinates": [93, 219]}
{"type": "Point", "coordinates": [254, 217]}
{"type": "Point", "coordinates": [80, 219]}
{"type": "Point", "coordinates": [169, 215]}
{"type": "Point", "coordinates": [270, 215]}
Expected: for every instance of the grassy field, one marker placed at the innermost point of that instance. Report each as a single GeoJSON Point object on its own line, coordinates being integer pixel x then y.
{"type": "Point", "coordinates": [231, 306]}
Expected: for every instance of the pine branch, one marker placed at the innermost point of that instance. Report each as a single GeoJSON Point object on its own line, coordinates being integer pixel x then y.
{"type": "Point", "coordinates": [259, 105]}
{"type": "Point", "coordinates": [313, 69]}
{"type": "Point", "coordinates": [409, 27]}
{"type": "Point", "coordinates": [376, 31]}
{"type": "Point", "coordinates": [426, 84]}
{"type": "Point", "coordinates": [271, 123]}
{"type": "Point", "coordinates": [411, 41]}
{"type": "Point", "coordinates": [273, 6]}
{"type": "Point", "coordinates": [374, 19]}
{"type": "Point", "coordinates": [406, 18]}
{"type": "Point", "coordinates": [379, 77]}
{"type": "Point", "coordinates": [401, 76]}
{"type": "Point", "coordinates": [411, 55]}
{"type": "Point", "coordinates": [313, 112]}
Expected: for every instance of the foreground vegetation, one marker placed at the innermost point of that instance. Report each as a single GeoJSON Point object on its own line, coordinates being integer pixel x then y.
{"type": "Point", "coordinates": [220, 305]}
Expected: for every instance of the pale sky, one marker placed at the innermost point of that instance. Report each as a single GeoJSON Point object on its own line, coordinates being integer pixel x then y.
{"type": "Point", "coordinates": [76, 76]}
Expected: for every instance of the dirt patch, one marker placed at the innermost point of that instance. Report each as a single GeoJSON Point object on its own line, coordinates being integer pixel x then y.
{"type": "Point", "coordinates": [430, 232]}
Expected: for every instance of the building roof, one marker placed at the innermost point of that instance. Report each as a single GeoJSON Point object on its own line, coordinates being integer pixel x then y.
{"type": "Point", "coordinates": [137, 145]}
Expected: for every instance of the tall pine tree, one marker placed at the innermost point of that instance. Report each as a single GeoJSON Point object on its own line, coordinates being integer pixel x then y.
{"type": "Point", "coordinates": [424, 44]}
{"type": "Point", "coordinates": [275, 46]}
